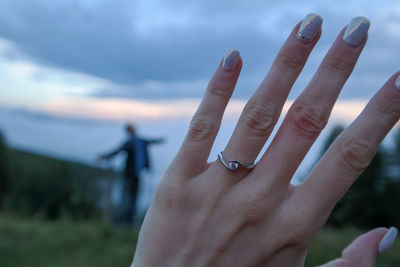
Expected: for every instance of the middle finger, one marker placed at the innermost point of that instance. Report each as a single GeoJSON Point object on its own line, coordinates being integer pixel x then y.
{"type": "Point", "coordinates": [310, 112]}
{"type": "Point", "coordinates": [263, 109]}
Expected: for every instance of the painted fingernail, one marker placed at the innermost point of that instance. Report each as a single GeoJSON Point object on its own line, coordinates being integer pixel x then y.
{"type": "Point", "coordinates": [397, 82]}
{"type": "Point", "coordinates": [388, 240]}
{"type": "Point", "coordinates": [356, 31]}
{"type": "Point", "coordinates": [309, 28]}
{"type": "Point", "coordinates": [231, 59]}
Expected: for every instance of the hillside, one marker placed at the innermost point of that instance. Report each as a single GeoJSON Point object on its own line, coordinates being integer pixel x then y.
{"type": "Point", "coordinates": [33, 161]}
{"type": "Point", "coordinates": [42, 185]}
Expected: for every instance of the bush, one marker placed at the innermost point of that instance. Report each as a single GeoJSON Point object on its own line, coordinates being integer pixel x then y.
{"type": "Point", "coordinates": [50, 188]}
{"type": "Point", "coordinates": [4, 173]}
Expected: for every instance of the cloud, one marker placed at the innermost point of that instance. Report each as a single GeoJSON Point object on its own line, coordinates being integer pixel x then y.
{"type": "Point", "coordinates": [168, 49]}
{"type": "Point", "coordinates": [27, 83]}
{"type": "Point", "coordinates": [120, 41]}
{"type": "Point", "coordinates": [122, 110]}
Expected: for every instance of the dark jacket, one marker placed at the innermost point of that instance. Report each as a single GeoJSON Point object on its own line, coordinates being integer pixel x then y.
{"type": "Point", "coordinates": [130, 147]}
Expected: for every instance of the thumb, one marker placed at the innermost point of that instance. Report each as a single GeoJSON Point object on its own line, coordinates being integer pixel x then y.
{"type": "Point", "coordinates": [365, 248]}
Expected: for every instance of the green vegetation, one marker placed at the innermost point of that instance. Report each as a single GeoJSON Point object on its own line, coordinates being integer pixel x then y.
{"type": "Point", "coordinates": [52, 188]}
{"type": "Point", "coordinates": [330, 242]}
{"type": "Point", "coordinates": [50, 213]}
{"type": "Point", "coordinates": [63, 243]}
{"type": "Point", "coordinates": [34, 242]}
{"type": "Point", "coordinates": [4, 173]}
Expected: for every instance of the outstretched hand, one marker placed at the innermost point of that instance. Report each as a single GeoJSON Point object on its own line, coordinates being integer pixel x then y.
{"type": "Point", "coordinates": [204, 214]}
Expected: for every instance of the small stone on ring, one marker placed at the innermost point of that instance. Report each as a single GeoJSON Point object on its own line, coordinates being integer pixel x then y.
{"type": "Point", "coordinates": [234, 165]}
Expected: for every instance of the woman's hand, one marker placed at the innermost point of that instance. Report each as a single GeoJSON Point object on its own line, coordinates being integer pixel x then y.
{"type": "Point", "coordinates": [203, 214]}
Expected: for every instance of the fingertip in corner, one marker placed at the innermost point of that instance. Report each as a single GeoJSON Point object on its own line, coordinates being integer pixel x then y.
{"type": "Point", "coordinates": [388, 239]}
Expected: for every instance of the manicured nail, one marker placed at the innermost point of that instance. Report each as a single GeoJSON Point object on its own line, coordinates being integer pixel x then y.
{"type": "Point", "coordinates": [388, 240]}
{"type": "Point", "coordinates": [231, 59]}
{"type": "Point", "coordinates": [309, 28]}
{"type": "Point", "coordinates": [397, 82]}
{"type": "Point", "coordinates": [356, 31]}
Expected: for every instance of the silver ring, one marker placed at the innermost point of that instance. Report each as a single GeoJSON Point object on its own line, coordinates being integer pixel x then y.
{"type": "Point", "coordinates": [234, 165]}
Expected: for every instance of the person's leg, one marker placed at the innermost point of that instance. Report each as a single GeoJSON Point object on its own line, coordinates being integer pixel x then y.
{"type": "Point", "coordinates": [121, 216]}
{"type": "Point", "coordinates": [133, 192]}
{"type": "Point", "coordinates": [127, 210]}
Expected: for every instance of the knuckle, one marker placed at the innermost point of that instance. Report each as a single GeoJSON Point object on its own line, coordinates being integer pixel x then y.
{"type": "Point", "coordinates": [303, 228]}
{"type": "Point", "coordinates": [355, 155]}
{"type": "Point", "coordinates": [219, 88]}
{"type": "Point", "coordinates": [308, 120]}
{"type": "Point", "coordinates": [339, 64]}
{"type": "Point", "coordinates": [299, 235]}
{"type": "Point", "coordinates": [290, 61]}
{"type": "Point", "coordinates": [388, 109]}
{"type": "Point", "coordinates": [201, 128]}
{"type": "Point", "coordinates": [251, 210]}
{"type": "Point", "coordinates": [259, 118]}
{"type": "Point", "coordinates": [171, 195]}
{"type": "Point", "coordinates": [251, 214]}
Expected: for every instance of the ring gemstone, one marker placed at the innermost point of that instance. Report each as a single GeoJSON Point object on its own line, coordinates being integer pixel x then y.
{"type": "Point", "coordinates": [233, 165]}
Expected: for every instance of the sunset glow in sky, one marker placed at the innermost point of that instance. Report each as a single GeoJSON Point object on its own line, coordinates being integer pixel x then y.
{"type": "Point", "coordinates": [141, 58]}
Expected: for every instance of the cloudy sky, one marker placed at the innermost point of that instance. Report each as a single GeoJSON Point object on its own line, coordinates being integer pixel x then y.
{"type": "Point", "coordinates": [65, 63]}
{"type": "Point", "coordinates": [73, 56]}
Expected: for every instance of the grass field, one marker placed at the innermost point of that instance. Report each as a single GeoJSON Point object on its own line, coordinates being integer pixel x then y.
{"type": "Point", "coordinates": [330, 242]}
{"type": "Point", "coordinates": [63, 243]}
{"type": "Point", "coordinates": [33, 242]}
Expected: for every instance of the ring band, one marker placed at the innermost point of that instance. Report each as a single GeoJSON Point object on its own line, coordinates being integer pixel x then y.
{"type": "Point", "coordinates": [234, 165]}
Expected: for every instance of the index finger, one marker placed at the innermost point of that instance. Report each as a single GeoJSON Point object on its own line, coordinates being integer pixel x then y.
{"type": "Point", "coordinates": [196, 147]}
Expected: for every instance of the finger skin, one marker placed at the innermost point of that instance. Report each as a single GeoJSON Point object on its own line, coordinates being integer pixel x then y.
{"type": "Point", "coordinates": [310, 112]}
{"type": "Point", "coordinates": [351, 152]}
{"type": "Point", "coordinates": [361, 252]}
{"type": "Point", "coordinates": [264, 107]}
{"type": "Point", "coordinates": [193, 154]}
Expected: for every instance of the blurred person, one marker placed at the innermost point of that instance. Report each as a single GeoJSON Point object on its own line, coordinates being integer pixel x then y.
{"type": "Point", "coordinates": [137, 159]}
{"type": "Point", "coordinates": [234, 212]}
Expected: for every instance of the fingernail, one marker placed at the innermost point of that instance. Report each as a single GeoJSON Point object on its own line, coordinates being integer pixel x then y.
{"type": "Point", "coordinates": [231, 59]}
{"type": "Point", "coordinates": [388, 240]}
{"type": "Point", "coordinates": [356, 31]}
{"type": "Point", "coordinates": [397, 82]}
{"type": "Point", "coordinates": [309, 28]}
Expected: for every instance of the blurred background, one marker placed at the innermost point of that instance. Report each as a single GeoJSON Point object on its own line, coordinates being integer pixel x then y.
{"type": "Point", "coordinates": [74, 73]}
